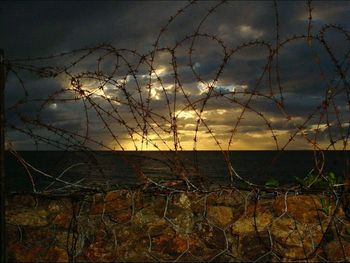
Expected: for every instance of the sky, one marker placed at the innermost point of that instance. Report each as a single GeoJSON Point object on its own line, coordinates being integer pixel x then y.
{"type": "Point", "coordinates": [221, 80]}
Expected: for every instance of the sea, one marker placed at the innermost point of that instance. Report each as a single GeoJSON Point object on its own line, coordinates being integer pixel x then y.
{"type": "Point", "coordinates": [107, 168]}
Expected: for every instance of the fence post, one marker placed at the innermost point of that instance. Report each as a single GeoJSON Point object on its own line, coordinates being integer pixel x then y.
{"type": "Point", "coordinates": [2, 158]}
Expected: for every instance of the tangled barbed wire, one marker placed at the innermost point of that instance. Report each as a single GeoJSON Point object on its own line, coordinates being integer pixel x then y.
{"type": "Point", "coordinates": [124, 86]}
{"type": "Point", "coordinates": [121, 99]}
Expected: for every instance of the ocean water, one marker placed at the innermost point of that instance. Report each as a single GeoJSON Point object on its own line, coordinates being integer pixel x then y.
{"type": "Point", "coordinates": [124, 168]}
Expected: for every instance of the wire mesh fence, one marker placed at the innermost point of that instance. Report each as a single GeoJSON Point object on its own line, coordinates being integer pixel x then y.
{"type": "Point", "coordinates": [115, 99]}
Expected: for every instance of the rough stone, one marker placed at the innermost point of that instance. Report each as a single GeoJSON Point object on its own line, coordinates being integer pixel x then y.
{"type": "Point", "coordinates": [27, 217]}
{"type": "Point", "coordinates": [182, 200]}
{"type": "Point", "coordinates": [116, 200]}
{"type": "Point", "coordinates": [111, 202]}
{"type": "Point", "coordinates": [295, 240]}
{"type": "Point", "coordinates": [201, 252]}
{"type": "Point", "coordinates": [172, 245]}
{"type": "Point", "coordinates": [248, 223]}
{"type": "Point", "coordinates": [20, 253]}
{"type": "Point", "coordinates": [211, 236]}
{"type": "Point", "coordinates": [335, 252]}
{"type": "Point", "coordinates": [181, 219]}
{"type": "Point", "coordinates": [254, 246]}
{"type": "Point", "coordinates": [62, 220]}
{"type": "Point", "coordinates": [159, 204]}
{"type": "Point", "coordinates": [38, 236]}
{"type": "Point", "coordinates": [56, 254]}
{"type": "Point", "coordinates": [149, 221]}
{"type": "Point", "coordinates": [138, 199]}
{"type": "Point", "coordinates": [138, 253]}
{"type": "Point", "coordinates": [121, 216]}
{"type": "Point", "coordinates": [127, 232]}
{"type": "Point", "coordinates": [100, 251]}
{"type": "Point", "coordinates": [62, 205]}
{"type": "Point", "coordinates": [117, 205]}
{"type": "Point", "coordinates": [232, 198]}
{"type": "Point", "coordinates": [198, 203]}
{"type": "Point", "coordinates": [182, 226]}
{"type": "Point", "coordinates": [305, 209]}
{"type": "Point", "coordinates": [221, 216]}
{"type": "Point", "coordinates": [61, 238]}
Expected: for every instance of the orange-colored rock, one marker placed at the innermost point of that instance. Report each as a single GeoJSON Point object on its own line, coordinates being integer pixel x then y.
{"type": "Point", "coordinates": [249, 224]}
{"type": "Point", "coordinates": [158, 204]}
{"type": "Point", "coordinates": [38, 236]}
{"type": "Point", "coordinates": [252, 246]}
{"type": "Point", "coordinates": [183, 225]}
{"type": "Point", "coordinates": [56, 254]}
{"type": "Point", "coordinates": [198, 203]}
{"type": "Point", "coordinates": [116, 200]}
{"type": "Point", "coordinates": [111, 202]}
{"type": "Point", "coordinates": [189, 201]}
{"type": "Point", "coordinates": [180, 244]}
{"type": "Point", "coordinates": [263, 206]}
{"type": "Point", "coordinates": [27, 217]}
{"type": "Point", "coordinates": [156, 230]}
{"type": "Point", "coordinates": [21, 253]}
{"type": "Point", "coordinates": [221, 216]}
{"type": "Point", "coordinates": [257, 217]}
{"type": "Point", "coordinates": [147, 218]}
{"type": "Point", "coordinates": [227, 197]}
{"type": "Point", "coordinates": [338, 252]}
{"type": "Point", "coordinates": [182, 200]}
{"type": "Point", "coordinates": [181, 219]}
{"type": "Point", "coordinates": [172, 244]}
{"type": "Point", "coordinates": [211, 236]}
{"type": "Point", "coordinates": [234, 199]}
{"type": "Point", "coordinates": [100, 251]}
{"type": "Point", "coordinates": [62, 220]}
{"type": "Point", "coordinates": [134, 251]}
{"type": "Point", "coordinates": [294, 240]}
{"type": "Point", "coordinates": [118, 205]}
{"type": "Point", "coordinates": [304, 208]}
{"type": "Point", "coordinates": [121, 216]}
{"type": "Point", "coordinates": [61, 238]}
{"type": "Point", "coordinates": [126, 232]}
{"type": "Point", "coordinates": [60, 206]}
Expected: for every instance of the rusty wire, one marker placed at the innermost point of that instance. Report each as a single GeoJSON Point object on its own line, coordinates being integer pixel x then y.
{"type": "Point", "coordinates": [136, 83]}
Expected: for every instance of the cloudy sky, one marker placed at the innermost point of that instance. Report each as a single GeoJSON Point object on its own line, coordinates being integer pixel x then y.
{"type": "Point", "coordinates": [221, 79]}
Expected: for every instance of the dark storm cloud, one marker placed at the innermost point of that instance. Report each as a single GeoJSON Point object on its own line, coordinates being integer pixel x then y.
{"type": "Point", "coordinates": [43, 28]}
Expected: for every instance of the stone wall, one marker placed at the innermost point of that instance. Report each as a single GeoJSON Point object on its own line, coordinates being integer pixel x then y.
{"type": "Point", "coordinates": [140, 226]}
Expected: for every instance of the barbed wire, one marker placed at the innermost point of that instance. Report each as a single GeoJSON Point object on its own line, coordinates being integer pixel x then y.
{"type": "Point", "coordinates": [126, 95]}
